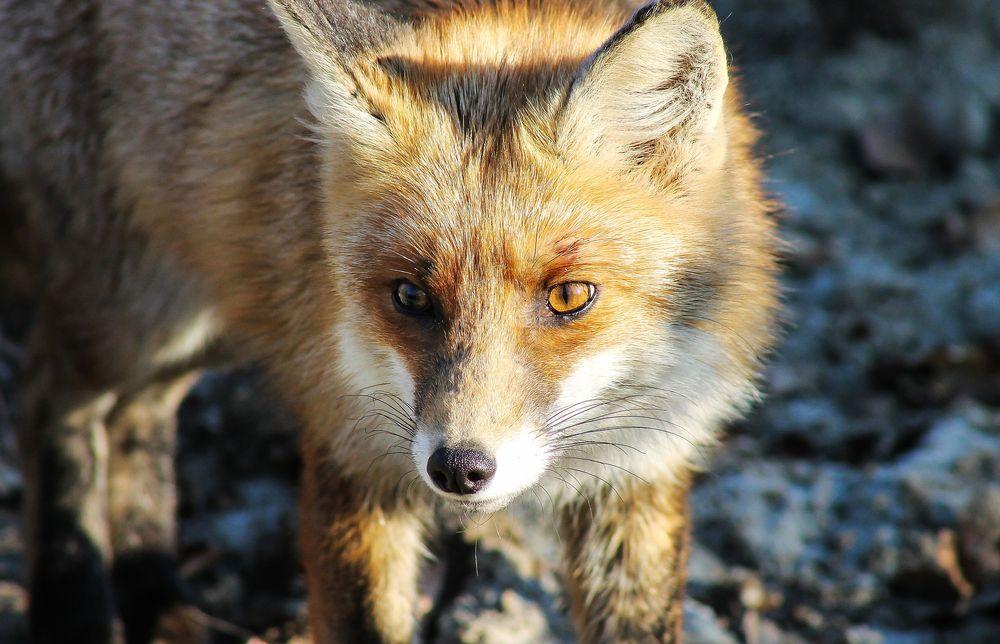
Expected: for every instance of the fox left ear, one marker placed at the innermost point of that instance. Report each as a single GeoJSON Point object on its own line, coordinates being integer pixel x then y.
{"type": "Point", "coordinates": [653, 93]}
{"type": "Point", "coordinates": [334, 39]}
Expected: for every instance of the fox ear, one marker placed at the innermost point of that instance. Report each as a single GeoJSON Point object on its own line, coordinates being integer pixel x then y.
{"type": "Point", "coordinates": [332, 37]}
{"type": "Point", "coordinates": [653, 93]}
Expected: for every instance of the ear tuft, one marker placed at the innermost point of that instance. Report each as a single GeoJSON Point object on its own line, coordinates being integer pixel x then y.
{"type": "Point", "coordinates": [653, 93]}
{"type": "Point", "coordinates": [333, 37]}
{"type": "Point", "coordinates": [332, 28]}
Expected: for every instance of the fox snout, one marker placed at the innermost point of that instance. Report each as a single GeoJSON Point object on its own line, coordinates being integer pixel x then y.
{"type": "Point", "coordinates": [461, 470]}
{"type": "Point", "coordinates": [476, 474]}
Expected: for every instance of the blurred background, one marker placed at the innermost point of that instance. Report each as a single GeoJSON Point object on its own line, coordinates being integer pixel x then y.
{"type": "Point", "coordinates": [860, 502]}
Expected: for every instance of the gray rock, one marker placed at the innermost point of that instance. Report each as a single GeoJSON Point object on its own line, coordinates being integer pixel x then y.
{"type": "Point", "coordinates": [702, 626]}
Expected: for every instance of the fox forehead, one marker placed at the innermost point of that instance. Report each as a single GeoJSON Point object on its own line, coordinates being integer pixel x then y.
{"type": "Point", "coordinates": [529, 241]}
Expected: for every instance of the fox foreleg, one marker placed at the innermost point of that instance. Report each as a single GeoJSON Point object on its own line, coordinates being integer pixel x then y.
{"type": "Point", "coordinates": [626, 555]}
{"type": "Point", "coordinates": [362, 556]}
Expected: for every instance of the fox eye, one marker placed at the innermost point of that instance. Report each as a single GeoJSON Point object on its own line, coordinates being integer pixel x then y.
{"type": "Point", "coordinates": [411, 299]}
{"type": "Point", "coordinates": [571, 297]}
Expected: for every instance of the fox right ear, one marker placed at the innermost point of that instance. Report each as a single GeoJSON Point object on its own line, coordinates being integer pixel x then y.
{"type": "Point", "coordinates": [652, 95]}
{"type": "Point", "coordinates": [334, 38]}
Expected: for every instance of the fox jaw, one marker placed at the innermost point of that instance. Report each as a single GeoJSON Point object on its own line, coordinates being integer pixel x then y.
{"type": "Point", "coordinates": [564, 285]}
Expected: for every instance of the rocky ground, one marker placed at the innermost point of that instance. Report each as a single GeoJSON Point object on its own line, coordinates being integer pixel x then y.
{"type": "Point", "coordinates": [861, 502]}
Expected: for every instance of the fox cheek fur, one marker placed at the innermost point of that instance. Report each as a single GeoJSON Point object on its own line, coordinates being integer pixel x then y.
{"type": "Point", "coordinates": [224, 175]}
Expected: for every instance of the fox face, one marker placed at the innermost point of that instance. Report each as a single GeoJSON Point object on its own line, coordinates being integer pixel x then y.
{"type": "Point", "coordinates": [550, 254]}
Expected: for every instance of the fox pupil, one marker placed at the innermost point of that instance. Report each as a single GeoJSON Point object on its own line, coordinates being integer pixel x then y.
{"type": "Point", "coordinates": [411, 298]}
{"type": "Point", "coordinates": [570, 297]}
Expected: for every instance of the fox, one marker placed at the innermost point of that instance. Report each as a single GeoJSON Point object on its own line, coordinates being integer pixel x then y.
{"type": "Point", "coordinates": [479, 249]}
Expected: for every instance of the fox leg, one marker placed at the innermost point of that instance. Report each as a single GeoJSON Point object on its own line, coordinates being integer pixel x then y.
{"type": "Point", "coordinates": [142, 511]}
{"type": "Point", "coordinates": [64, 453]}
{"type": "Point", "coordinates": [362, 558]}
{"type": "Point", "coordinates": [626, 556]}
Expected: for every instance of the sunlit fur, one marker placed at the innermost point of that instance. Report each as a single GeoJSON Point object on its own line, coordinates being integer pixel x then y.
{"type": "Point", "coordinates": [458, 156]}
{"type": "Point", "coordinates": [206, 173]}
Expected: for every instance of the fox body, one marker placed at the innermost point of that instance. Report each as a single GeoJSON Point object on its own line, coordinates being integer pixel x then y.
{"type": "Point", "coordinates": [495, 247]}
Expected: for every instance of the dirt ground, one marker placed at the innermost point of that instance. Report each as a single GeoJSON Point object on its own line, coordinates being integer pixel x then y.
{"type": "Point", "coordinates": [860, 503]}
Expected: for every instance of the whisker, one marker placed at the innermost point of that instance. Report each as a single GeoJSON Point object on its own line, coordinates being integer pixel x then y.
{"type": "Point", "coordinates": [410, 471]}
{"type": "Point", "coordinates": [552, 425]}
{"type": "Point", "coordinates": [595, 402]}
{"type": "Point", "coordinates": [379, 428]}
{"type": "Point", "coordinates": [541, 506]}
{"type": "Point", "coordinates": [375, 413]}
{"type": "Point", "coordinates": [592, 460]}
{"type": "Point", "coordinates": [416, 477]}
{"type": "Point", "coordinates": [666, 394]}
{"type": "Point", "coordinates": [613, 416]}
{"type": "Point", "coordinates": [408, 441]}
{"type": "Point", "coordinates": [726, 327]}
{"type": "Point", "coordinates": [369, 413]}
{"type": "Point", "coordinates": [562, 424]}
{"type": "Point", "coordinates": [604, 401]}
{"type": "Point", "coordinates": [576, 409]}
{"type": "Point", "coordinates": [406, 490]}
{"type": "Point", "coordinates": [400, 417]}
{"type": "Point", "coordinates": [393, 407]}
{"type": "Point", "coordinates": [552, 502]}
{"type": "Point", "coordinates": [487, 520]}
{"type": "Point", "coordinates": [401, 405]}
{"type": "Point", "coordinates": [396, 397]}
{"type": "Point", "coordinates": [379, 384]}
{"type": "Point", "coordinates": [384, 455]}
{"type": "Point", "coordinates": [605, 481]}
{"type": "Point", "coordinates": [611, 429]}
{"type": "Point", "coordinates": [620, 446]}
{"type": "Point", "coordinates": [579, 492]}
{"type": "Point", "coordinates": [552, 505]}
{"type": "Point", "coordinates": [395, 418]}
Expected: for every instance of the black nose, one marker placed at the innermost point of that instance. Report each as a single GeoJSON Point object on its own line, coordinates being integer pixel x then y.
{"type": "Point", "coordinates": [460, 471]}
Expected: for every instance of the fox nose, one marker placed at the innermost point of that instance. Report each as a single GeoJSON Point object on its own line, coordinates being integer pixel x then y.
{"type": "Point", "coordinates": [460, 471]}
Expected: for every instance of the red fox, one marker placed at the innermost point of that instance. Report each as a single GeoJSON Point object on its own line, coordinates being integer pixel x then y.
{"type": "Point", "coordinates": [499, 246]}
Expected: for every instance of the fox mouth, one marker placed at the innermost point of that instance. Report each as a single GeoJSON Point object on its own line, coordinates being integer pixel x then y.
{"type": "Point", "coordinates": [485, 506]}
{"type": "Point", "coordinates": [479, 503]}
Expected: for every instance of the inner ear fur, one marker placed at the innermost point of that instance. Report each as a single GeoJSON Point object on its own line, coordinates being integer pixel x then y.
{"type": "Point", "coordinates": [337, 41]}
{"type": "Point", "coordinates": [653, 94]}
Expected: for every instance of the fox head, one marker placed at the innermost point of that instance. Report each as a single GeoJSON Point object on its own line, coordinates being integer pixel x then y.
{"type": "Point", "coordinates": [552, 258]}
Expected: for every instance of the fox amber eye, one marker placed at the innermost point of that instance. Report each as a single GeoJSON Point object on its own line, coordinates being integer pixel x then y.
{"type": "Point", "coordinates": [571, 297]}
{"type": "Point", "coordinates": [410, 298]}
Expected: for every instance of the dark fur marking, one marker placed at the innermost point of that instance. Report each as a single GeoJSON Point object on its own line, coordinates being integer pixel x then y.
{"type": "Point", "coordinates": [71, 595]}
{"type": "Point", "coordinates": [485, 101]}
{"type": "Point", "coordinates": [442, 377]}
{"type": "Point", "coordinates": [394, 66]}
{"type": "Point", "coordinates": [696, 292]}
{"type": "Point", "coordinates": [147, 584]}
{"type": "Point", "coordinates": [639, 18]}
